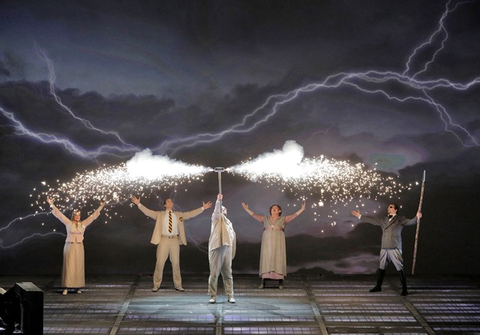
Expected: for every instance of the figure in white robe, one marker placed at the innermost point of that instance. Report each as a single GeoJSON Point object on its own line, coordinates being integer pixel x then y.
{"type": "Point", "coordinates": [221, 251]}
{"type": "Point", "coordinates": [273, 252]}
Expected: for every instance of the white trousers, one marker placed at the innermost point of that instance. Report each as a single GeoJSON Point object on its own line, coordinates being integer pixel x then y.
{"type": "Point", "coordinates": [220, 260]}
{"type": "Point", "coordinates": [168, 248]}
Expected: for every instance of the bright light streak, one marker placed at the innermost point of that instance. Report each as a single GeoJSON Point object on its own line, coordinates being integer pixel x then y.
{"type": "Point", "coordinates": [124, 148]}
{"type": "Point", "coordinates": [20, 219]}
{"type": "Point", "coordinates": [143, 174]}
{"type": "Point", "coordinates": [323, 178]}
{"type": "Point", "coordinates": [151, 167]}
{"type": "Point", "coordinates": [21, 130]}
{"type": "Point", "coordinates": [370, 82]}
{"type": "Point", "coordinates": [283, 163]}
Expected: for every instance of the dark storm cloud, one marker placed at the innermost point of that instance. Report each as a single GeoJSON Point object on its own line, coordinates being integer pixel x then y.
{"type": "Point", "coordinates": [3, 70]}
{"type": "Point", "coordinates": [219, 43]}
{"type": "Point", "coordinates": [158, 72]}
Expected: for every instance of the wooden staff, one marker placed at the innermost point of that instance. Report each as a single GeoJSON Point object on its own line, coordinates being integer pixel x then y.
{"type": "Point", "coordinates": [418, 223]}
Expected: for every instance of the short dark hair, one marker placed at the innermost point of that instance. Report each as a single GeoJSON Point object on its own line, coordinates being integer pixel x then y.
{"type": "Point", "coordinates": [395, 206]}
{"type": "Point", "coordinates": [279, 209]}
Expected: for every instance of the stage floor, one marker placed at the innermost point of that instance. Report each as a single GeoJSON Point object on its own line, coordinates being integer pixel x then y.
{"type": "Point", "coordinates": [309, 304]}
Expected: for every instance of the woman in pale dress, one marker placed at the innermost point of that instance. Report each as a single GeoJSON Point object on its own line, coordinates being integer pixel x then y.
{"type": "Point", "coordinates": [73, 273]}
{"type": "Point", "coordinates": [273, 253]}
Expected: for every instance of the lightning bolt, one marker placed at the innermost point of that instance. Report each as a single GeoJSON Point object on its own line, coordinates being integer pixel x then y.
{"type": "Point", "coordinates": [360, 81]}
{"type": "Point", "coordinates": [441, 28]}
{"type": "Point", "coordinates": [242, 127]}
{"type": "Point", "coordinates": [30, 237]}
{"type": "Point", "coordinates": [125, 147]}
{"type": "Point", "coordinates": [20, 219]}
{"type": "Point", "coordinates": [21, 130]}
{"type": "Point", "coordinates": [24, 218]}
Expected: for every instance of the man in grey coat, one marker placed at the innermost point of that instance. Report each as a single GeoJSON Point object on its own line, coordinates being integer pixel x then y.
{"type": "Point", "coordinates": [391, 251]}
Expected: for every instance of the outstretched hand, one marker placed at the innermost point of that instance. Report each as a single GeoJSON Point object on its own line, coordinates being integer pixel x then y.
{"type": "Point", "coordinates": [207, 205]}
{"type": "Point", "coordinates": [49, 201]}
{"type": "Point", "coordinates": [356, 213]}
{"type": "Point", "coordinates": [135, 200]}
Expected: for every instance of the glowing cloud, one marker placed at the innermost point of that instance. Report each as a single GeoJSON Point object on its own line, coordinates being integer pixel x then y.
{"type": "Point", "coordinates": [321, 177]}
{"type": "Point", "coordinates": [143, 174]}
{"type": "Point", "coordinates": [146, 165]}
{"type": "Point", "coordinates": [284, 163]}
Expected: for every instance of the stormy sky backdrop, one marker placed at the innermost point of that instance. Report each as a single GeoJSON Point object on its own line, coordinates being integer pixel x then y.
{"type": "Point", "coordinates": [391, 86]}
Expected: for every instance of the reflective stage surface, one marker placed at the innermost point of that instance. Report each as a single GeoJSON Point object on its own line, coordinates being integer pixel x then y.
{"type": "Point", "coordinates": [309, 304]}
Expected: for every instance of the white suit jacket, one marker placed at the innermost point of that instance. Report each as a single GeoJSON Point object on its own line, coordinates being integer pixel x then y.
{"type": "Point", "coordinates": [159, 217]}
{"type": "Point", "coordinates": [222, 232]}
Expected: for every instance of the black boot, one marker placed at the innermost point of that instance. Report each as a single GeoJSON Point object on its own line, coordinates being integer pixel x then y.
{"type": "Point", "coordinates": [280, 284]}
{"type": "Point", "coordinates": [378, 287]}
{"type": "Point", "coordinates": [262, 283]}
{"type": "Point", "coordinates": [403, 280]}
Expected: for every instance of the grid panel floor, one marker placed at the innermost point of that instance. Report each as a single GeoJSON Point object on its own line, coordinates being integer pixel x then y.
{"type": "Point", "coordinates": [309, 304]}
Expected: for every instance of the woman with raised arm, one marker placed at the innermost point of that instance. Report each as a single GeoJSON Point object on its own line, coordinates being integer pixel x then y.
{"type": "Point", "coordinates": [273, 252]}
{"type": "Point", "coordinates": [73, 273]}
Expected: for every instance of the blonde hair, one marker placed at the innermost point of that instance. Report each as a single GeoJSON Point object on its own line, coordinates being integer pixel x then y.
{"type": "Point", "coordinates": [75, 211]}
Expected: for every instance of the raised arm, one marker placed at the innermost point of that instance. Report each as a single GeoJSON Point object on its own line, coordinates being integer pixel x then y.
{"type": "Point", "coordinates": [218, 208]}
{"type": "Point", "coordinates": [367, 219]}
{"type": "Point", "coordinates": [206, 205]}
{"type": "Point", "coordinates": [145, 210]}
{"type": "Point", "coordinates": [94, 215]}
{"type": "Point", "coordinates": [249, 211]}
{"type": "Point", "coordinates": [297, 213]}
{"type": "Point", "coordinates": [411, 222]}
{"type": "Point", "coordinates": [56, 212]}
{"type": "Point", "coordinates": [356, 214]}
{"type": "Point", "coordinates": [135, 200]}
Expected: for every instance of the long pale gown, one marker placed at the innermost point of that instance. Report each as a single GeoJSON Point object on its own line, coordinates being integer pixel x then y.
{"type": "Point", "coordinates": [73, 271]}
{"type": "Point", "coordinates": [273, 252]}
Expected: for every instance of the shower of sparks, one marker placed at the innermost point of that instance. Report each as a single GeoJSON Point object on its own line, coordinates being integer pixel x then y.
{"type": "Point", "coordinates": [142, 175]}
{"type": "Point", "coordinates": [319, 177]}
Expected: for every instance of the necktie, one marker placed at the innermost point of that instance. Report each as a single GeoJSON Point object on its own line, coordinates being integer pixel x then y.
{"type": "Point", "coordinates": [169, 221]}
{"type": "Point", "coordinates": [390, 216]}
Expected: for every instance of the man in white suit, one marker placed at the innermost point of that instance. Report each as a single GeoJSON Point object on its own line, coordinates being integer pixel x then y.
{"type": "Point", "coordinates": [221, 251]}
{"type": "Point", "coordinates": [168, 235]}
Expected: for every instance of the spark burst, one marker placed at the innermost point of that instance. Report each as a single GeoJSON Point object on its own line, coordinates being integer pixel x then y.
{"type": "Point", "coordinates": [142, 175]}
{"type": "Point", "coordinates": [320, 177]}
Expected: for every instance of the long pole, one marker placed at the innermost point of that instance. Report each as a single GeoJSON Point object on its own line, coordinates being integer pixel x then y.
{"type": "Point", "coordinates": [219, 170]}
{"type": "Point", "coordinates": [418, 223]}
